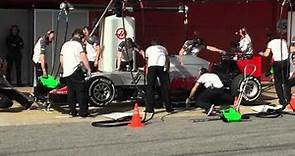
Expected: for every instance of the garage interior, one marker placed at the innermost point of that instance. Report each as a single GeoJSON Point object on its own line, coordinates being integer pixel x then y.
{"type": "Point", "coordinates": [215, 20]}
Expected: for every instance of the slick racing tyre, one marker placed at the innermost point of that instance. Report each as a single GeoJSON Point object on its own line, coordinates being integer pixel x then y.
{"type": "Point", "coordinates": [252, 90]}
{"type": "Point", "coordinates": [101, 91]}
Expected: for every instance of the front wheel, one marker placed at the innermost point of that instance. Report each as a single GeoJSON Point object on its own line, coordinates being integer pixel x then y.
{"type": "Point", "coordinates": [250, 86]}
{"type": "Point", "coordinates": [101, 91]}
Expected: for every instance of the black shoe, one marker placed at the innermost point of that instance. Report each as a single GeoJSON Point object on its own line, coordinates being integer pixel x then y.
{"type": "Point", "coordinates": [73, 113]}
{"type": "Point", "coordinates": [84, 115]}
{"type": "Point", "coordinates": [171, 110]}
{"type": "Point", "coordinates": [149, 111]}
{"type": "Point", "coordinates": [29, 104]}
{"type": "Point", "coordinates": [210, 111]}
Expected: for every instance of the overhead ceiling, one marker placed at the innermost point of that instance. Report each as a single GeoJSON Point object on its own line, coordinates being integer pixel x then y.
{"type": "Point", "coordinates": [55, 3]}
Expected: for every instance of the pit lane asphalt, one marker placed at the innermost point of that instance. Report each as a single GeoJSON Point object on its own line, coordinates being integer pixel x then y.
{"type": "Point", "coordinates": [35, 132]}
{"type": "Point", "coordinates": [174, 136]}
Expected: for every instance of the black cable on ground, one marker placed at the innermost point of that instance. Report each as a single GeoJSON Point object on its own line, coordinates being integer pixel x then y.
{"type": "Point", "coordinates": [120, 122]}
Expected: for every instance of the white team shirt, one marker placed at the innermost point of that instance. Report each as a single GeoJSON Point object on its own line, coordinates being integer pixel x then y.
{"type": "Point", "coordinates": [278, 46]}
{"type": "Point", "coordinates": [71, 57]}
{"type": "Point", "coordinates": [245, 45]}
{"type": "Point", "coordinates": [156, 55]}
{"type": "Point", "coordinates": [210, 80]}
{"type": "Point", "coordinates": [91, 51]}
{"type": "Point", "coordinates": [39, 46]}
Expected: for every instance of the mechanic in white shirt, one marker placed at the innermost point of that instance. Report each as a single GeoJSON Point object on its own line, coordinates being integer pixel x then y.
{"type": "Point", "coordinates": [209, 91]}
{"type": "Point", "coordinates": [158, 67]}
{"type": "Point", "coordinates": [93, 50]}
{"type": "Point", "coordinates": [279, 49]}
{"type": "Point", "coordinates": [40, 66]}
{"type": "Point", "coordinates": [73, 59]}
{"type": "Point", "coordinates": [245, 43]}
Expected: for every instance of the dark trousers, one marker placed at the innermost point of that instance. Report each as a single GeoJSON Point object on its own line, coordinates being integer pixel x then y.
{"type": "Point", "coordinates": [16, 60]}
{"type": "Point", "coordinates": [126, 66]}
{"type": "Point", "coordinates": [77, 92]}
{"type": "Point", "coordinates": [92, 67]}
{"type": "Point", "coordinates": [217, 96]}
{"type": "Point", "coordinates": [281, 74]}
{"type": "Point", "coordinates": [39, 90]}
{"type": "Point", "coordinates": [13, 94]}
{"type": "Point", "coordinates": [153, 73]}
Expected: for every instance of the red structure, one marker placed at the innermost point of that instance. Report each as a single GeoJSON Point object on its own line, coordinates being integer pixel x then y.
{"type": "Point", "coordinates": [215, 20]}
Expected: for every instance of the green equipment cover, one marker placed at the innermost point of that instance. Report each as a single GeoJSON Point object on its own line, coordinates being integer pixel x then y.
{"type": "Point", "coordinates": [230, 114]}
{"type": "Point", "coordinates": [48, 81]}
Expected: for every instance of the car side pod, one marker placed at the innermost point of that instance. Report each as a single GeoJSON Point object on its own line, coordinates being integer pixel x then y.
{"type": "Point", "coordinates": [136, 119]}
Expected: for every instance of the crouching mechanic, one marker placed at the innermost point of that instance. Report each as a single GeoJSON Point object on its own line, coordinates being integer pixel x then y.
{"type": "Point", "coordinates": [73, 59]}
{"type": "Point", "coordinates": [209, 91]}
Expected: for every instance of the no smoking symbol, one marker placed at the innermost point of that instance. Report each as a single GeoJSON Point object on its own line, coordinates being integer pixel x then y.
{"type": "Point", "coordinates": [121, 33]}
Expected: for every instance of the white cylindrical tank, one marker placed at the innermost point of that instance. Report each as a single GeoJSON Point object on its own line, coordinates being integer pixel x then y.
{"type": "Point", "coordinates": [113, 35]}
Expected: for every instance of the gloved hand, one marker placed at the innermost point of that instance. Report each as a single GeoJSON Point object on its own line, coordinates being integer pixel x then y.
{"type": "Point", "coordinates": [45, 75]}
{"type": "Point", "coordinates": [223, 52]}
{"type": "Point", "coordinates": [88, 75]}
{"type": "Point", "coordinates": [187, 102]}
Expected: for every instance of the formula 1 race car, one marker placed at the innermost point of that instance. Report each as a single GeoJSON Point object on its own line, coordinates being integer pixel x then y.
{"type": "Point", "coordinates": [105, 87]}
{"type": "Point", "coordinates": [241, 74]}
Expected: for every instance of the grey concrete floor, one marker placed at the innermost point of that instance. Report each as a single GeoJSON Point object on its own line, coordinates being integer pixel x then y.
{"type": "Point", "coordinates": [35, 132]}
{"type": "Point", "coordinates": [174, 136]}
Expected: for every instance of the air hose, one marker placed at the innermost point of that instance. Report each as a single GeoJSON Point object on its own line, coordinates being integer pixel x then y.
{"type": "Point", "coordinates": [64, 40]}
{"type": "Point", "coordinates": [124, 121]}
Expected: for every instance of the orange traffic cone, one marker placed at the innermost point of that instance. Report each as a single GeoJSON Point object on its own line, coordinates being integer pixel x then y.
{"type": "Point", "coordinates": [136, 119]}
{"type": "Point", "coordinates": [292, 102]}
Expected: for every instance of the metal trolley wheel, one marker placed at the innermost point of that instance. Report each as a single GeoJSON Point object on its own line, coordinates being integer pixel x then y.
{"type": "Point", "coordinates": [101, 91]}
{"type": "Point", "coordinates": [253, 87]}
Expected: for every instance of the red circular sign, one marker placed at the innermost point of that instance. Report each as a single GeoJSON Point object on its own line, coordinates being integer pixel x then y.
{"type": "Point", "coordinates": [121, 33]}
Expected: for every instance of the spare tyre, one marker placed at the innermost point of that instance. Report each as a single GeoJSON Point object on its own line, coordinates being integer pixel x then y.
{"type": "Point", "coordinates": [101, 91]}
{"type": "Point", "coordinates": [252, 89]}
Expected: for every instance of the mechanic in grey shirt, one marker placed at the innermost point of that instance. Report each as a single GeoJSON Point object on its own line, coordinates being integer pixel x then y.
{"type": "Point", "coordinates": [126, 57]}
{"type": "Point", "coordinates": [40, 49]}
{"type": "Point", "coordinates": [194, 46]}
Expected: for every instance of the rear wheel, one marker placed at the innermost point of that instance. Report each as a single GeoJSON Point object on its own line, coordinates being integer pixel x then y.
{"type": "Point", "coordinates": [101, 91]}
{"type": "Point", "coordinates": [252, 90]}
